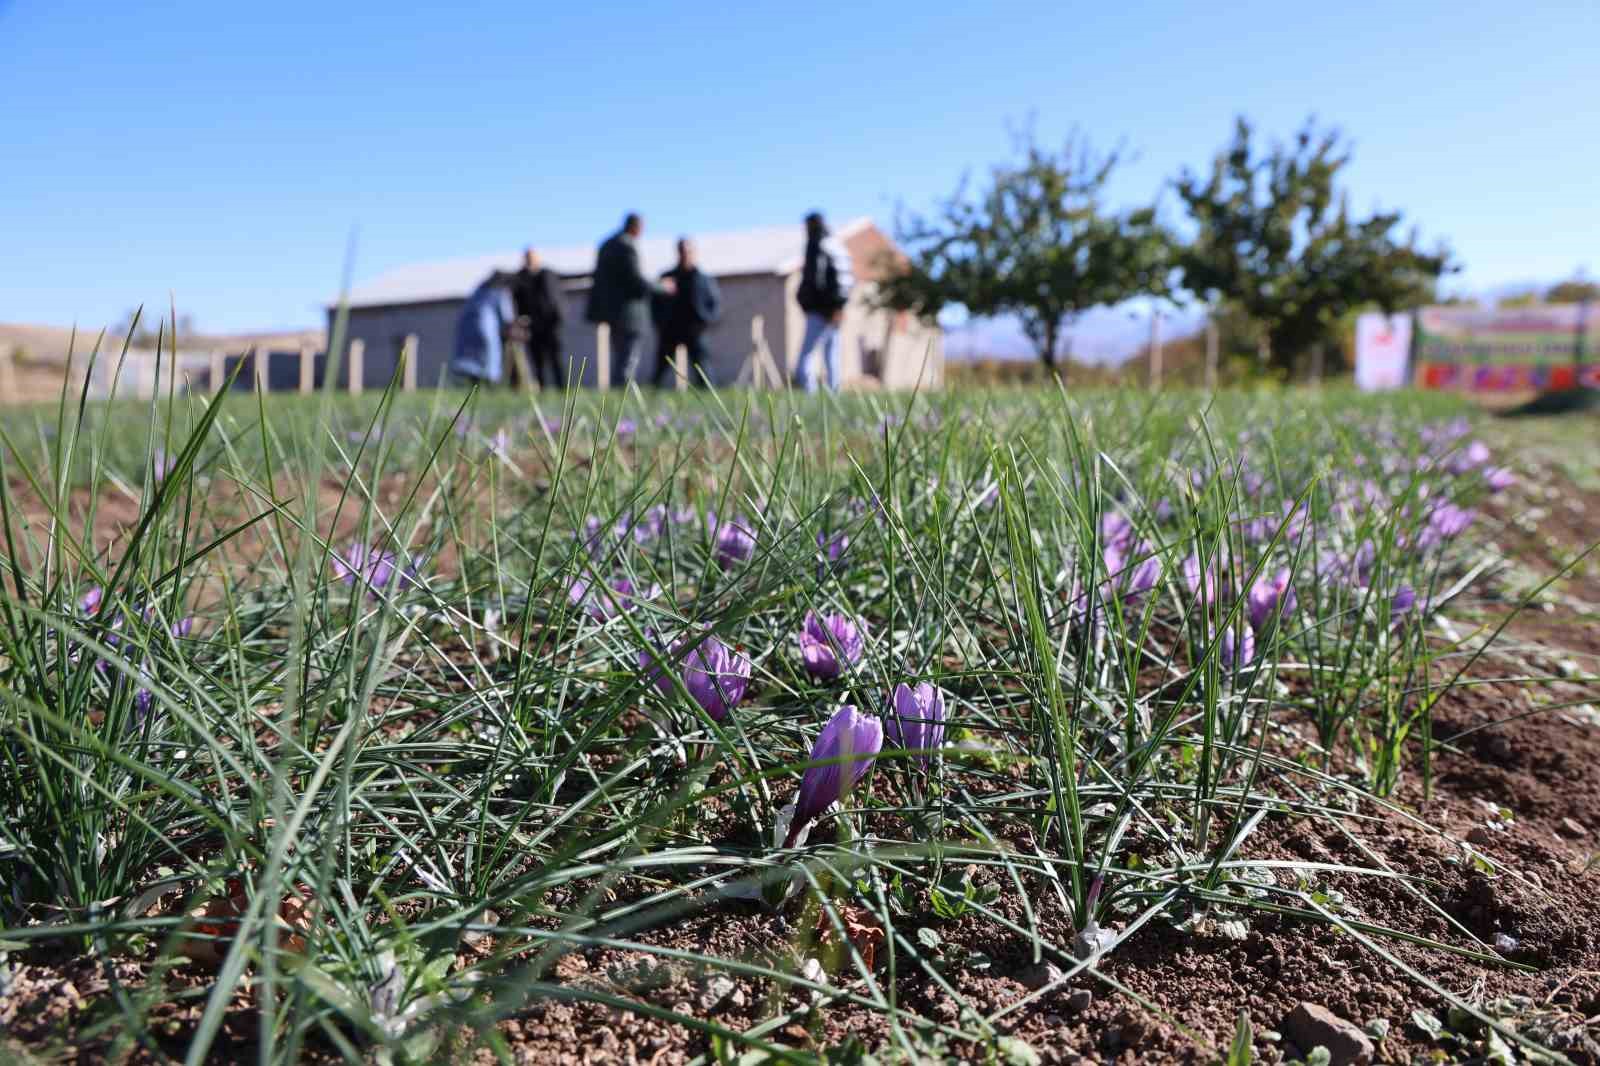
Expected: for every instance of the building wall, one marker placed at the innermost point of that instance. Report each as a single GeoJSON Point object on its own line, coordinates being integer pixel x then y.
{"type": "Point", "coordinates": [864, 330]}
{"type": "Point", "coordinates": [383, 330]}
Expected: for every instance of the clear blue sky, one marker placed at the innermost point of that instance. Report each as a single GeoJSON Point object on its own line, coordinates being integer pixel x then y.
{"type": "Point", "coordinates": [225, 152]}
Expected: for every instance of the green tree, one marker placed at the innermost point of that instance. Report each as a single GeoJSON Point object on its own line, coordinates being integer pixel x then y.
{"type": "Point", "coordinates": [1274, 238]}
{"type": "Point", "coordinates": [1572, 291]}
{"type": "Point", "coordinates": [1035, 241]}
{"type": "Point", "coordinates": [143, 331]}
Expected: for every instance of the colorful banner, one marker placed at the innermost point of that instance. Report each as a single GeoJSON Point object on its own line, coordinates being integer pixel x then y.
{"type": "Point", "coordinates": [1383, 350]}
{"type": "Point", "coordinates": [1513, 349]}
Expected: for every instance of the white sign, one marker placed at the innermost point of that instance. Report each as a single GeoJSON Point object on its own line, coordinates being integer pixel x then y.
{"type": "Point", "coordinates": [1383, 345]}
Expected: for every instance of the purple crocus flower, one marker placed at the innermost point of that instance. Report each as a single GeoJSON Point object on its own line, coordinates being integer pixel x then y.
{"type": "Point", "coordinates": [373, 567]}
{"type": "Point", "coordinates": [1138, 578]}
{"type": "Point", "coordinates": [182, 627]}
{"type": "Point", "coordinates": [830, 551]}
{"type": "Point", "coordinates": [1498, 478]}
{"type": "Point", "coordinates": [917, 723]}
{"type": "Point", "coordinates": [1401, 604]}
{"type": "Point", "coordinates": [1269, 598]}
{"type": "Point", "coordinates": [732, 542]}
{"type": "Point", "coordinates": [829, 644]}
{"type": "Point", "coordinates": [1359, 569]}
{"type": "Point", "coordinates": [852, 738]}
{"type": "Point", "coordinates": [1470, 458]}
{"type": "Point", "coordinates": [1116, 530]}
{"type": "Point", "coordinates": [1201, 580]}
{"type": "Point", "coordinates": [607, 600]}
{"type": "Point", "coordinates": [715, 675]}
{"type": "Point", "coordinates": [1238, 648]}
{"type": "Point", "coordinates": [162, 464]}
{"type": "Point", "coordinates": [1450, 521]}
{"type": "Point", "coordinates": [89, 602]}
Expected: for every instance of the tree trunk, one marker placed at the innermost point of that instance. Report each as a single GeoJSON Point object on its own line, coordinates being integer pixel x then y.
{"type": "Point", "coordinates": [1047, 353]}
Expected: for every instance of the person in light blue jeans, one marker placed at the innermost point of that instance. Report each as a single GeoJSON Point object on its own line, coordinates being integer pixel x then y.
{"type": "Point", "coordinates": [824, 290]}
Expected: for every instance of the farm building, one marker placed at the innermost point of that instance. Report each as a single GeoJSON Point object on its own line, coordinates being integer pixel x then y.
{"type": "Point", "coordinates": [757, 339]}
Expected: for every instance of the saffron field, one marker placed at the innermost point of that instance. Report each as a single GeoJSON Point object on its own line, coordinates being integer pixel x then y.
{"type": "Point", "coordinates": [1001, 727]}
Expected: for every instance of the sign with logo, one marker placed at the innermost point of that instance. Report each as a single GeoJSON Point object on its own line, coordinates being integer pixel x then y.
{"type": "Point", "coordinates": [1513, 349]}
{"type": "Point", "coordinates": [1383, 349]}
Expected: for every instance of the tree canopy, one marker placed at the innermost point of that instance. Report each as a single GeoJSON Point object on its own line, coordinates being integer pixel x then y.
{"type": "Point", "coordinates": [1274, 237]}
{"type": "Point", "coordinates": [1034, 241]}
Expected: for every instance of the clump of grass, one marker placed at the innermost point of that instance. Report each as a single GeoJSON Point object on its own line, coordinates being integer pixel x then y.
{"type": "Point", "coordinates": [410, 718]}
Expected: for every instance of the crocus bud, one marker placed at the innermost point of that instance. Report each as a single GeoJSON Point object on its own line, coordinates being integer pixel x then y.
{"type": "Point", "coordinates": [732, 541]}
{"type": "Point", "coordinates": [852, 738]}
{"type": "Point", "coordinates": [1238, 648]}
{"type": "Point", "coordinates": [829, 644]}
{"type": "Point", "coordinates": [1401, 604]}
{"type": "Point", "coordinates": [917, 723]}
{"type": "Point", "coordinates": [1270, 598]}
{"type": "Point", "coordinates": [830, 550]}
{"type": "Point", "coordinates": [373, 567]}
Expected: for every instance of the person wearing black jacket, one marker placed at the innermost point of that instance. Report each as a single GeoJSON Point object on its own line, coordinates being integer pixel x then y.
{"type": "Point", "coordinates": [824, 291]}
{"type": "Point", "coordinates": [691, 303]}
{"type": "Point", "coordinates": [620, 297]}
{"type": "Point", "coordinates": [536, 295]}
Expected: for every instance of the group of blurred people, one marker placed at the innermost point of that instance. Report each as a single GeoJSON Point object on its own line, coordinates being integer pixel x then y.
{"type": "Point", "coordinates": [509, 330]}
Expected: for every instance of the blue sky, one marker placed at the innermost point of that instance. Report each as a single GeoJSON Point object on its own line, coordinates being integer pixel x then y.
{"type": "Point", "coordinates": [226, 152]}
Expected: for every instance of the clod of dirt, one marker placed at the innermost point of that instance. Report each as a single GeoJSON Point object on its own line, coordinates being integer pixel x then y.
{"type": "Point", "coordinates": [1311, 1025]}
{"type": "Point", "coordinates": [1572, 828]}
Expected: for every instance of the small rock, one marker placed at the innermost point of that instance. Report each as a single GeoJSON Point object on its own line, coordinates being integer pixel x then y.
{"type": "Point", "coordinates": [1505, 943]}
{"type": "Point", "coordinates": [1034, 978]}
{"type": "Point", "coordinates": [1572, 828]}
{"type": "Point", "coordinates": [1480, 836]}
{"type": "Point", "coordinates": [1053, 1021]}
{"type": "Point", "coordinates": [683, 1007]}
{"type": "Point", "coordinates": [1311, 1025]}
{"type": "Point", "coordinates": [1080, 1000]}
{"type": "Point", "coordinates": [1500, 748]}
{"type": "Point", "coordinates": [738, 999]}
{"type": "Point", "coordinates": [717, 989]}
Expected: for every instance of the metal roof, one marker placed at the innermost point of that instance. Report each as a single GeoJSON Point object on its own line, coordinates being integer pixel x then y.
{"type": "Point", "coordinates": [763, 250]}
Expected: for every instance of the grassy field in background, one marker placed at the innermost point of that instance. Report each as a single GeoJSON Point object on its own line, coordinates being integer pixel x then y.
{"type": "Point", "coordinates": [453, 727]}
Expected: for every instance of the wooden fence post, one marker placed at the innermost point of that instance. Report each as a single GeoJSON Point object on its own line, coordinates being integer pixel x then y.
{"type": "Point", "coordinates": [408, 356]}
{"type": "Point", "coordinates": [260, 363]}
{"type": "Point", "coordinates": [308, 370]}
{"type": "Point", "coordinates": [219, 367]}
{"type": "Point", "coordinates": [356, 362]}
{"type": "Point", "coordinates": [602, 356]}
{"type": "Point", "coordinates": [765, 370]}
{"type": "Point", "coordinates": [680, 357]}
{"type": "Point", "coordinates": [1212, 346]}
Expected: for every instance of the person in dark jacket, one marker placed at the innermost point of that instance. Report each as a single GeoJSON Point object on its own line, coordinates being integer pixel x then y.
{"type": "Point", "coordinates": [694, 305]}
{"type": "Point", "coordinates": [620, 297]}
{"type": "Point", "coordinates": [536, 295]}
{"type": "Point", "coordinates": [824, 290]}
{"type": "Point", "coordinates": [478, 356]}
